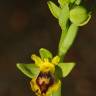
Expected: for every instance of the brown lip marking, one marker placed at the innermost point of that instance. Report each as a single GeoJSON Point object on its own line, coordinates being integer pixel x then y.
{"type": "Point", "coordinates": [44, 86]}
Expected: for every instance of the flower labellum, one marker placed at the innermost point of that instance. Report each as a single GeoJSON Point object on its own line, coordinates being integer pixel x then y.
{"type": "Point", "coordinates": [42, 84]}
{"type": "Point", "coordinates": [45, 82]}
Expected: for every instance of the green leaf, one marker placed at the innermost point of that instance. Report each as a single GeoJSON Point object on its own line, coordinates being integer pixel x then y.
{"type": "Point", "coordinates": [66, 68]}
{"type": "Point", "coordinates": [68, 40]}
{"type": "Point", "coordinates": [63, 17]}
{"type": "Point", "coordinates": [63, 22]}
{"type": "Point", "coordinates": [55, 10]}
{"type": "Point", "coordinates": [44, 53]}
{"type": "Point", "coordinates": [30, 70]}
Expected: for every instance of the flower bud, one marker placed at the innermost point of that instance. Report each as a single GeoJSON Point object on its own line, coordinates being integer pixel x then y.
{"type": "Point", "coordinates": [78, 15]}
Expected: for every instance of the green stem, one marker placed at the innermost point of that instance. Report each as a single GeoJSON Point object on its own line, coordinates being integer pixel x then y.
{"type": "Point", "coordinates": [63, 34]}
{"type": "Point", "coordinates": [67, 40]}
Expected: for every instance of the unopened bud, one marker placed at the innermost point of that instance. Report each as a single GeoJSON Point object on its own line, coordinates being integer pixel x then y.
{"type": "Point", "coordinates": [78, 15]}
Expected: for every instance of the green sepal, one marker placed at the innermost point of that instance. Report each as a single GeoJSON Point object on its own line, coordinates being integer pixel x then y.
{"type": "Point", "coordinates": [63, 17]}
{"type": "Point", "coordinates": [68, 40]}
{"type": "Point", "coordinates": [30, 70]}
{"type": "Point", "coordinates": [66, 68]}
{"type": "Point", "coordinates": [63, 2]}
{"type": "Point", "coordinates": [86, 21]}
{"type": "Point", "coordinates": [44, 53]}
{"type": "Point", "coordinates": [55, 10]}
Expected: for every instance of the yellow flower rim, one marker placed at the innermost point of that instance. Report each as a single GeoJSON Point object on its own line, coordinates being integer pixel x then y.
{"type": "Point", "coordinates": [50, 90]}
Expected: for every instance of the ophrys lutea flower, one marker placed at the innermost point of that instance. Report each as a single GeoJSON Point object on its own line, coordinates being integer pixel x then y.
{"type": "Point", "coordinates": [46, 73]}
{"type": "Point", "coordinates": [45, 83]}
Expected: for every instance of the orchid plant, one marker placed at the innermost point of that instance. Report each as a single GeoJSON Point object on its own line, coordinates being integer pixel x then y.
{"type": "Point", "coordinates": [47, 70]}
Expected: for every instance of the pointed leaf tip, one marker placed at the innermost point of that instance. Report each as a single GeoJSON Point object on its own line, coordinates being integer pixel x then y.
{"type": "Point", "coordinates": [55, 10]}
{"type": "Point", "coordinates": [63, 2]}
{"type": "Point", "coordinates": [30, 70]}
{"type": "Point", "coordinates": [66, 68]}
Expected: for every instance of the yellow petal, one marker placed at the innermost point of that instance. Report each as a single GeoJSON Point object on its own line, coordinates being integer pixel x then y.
{"type": "Point", "coordinates": [56, 86]}
{"type": "Point", "coordinates": [35, 88]}
{"type": "Point", "coordinates": [56, 60]}
{"type": "Point", "coordinates": [37, 60]}
{"type": "Point", "coordinates": [53, 88]}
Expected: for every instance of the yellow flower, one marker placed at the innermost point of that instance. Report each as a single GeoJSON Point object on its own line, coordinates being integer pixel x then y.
{"type": "Point", "coordinates": [46, 73]}
{"type": "Point", "coordinates": [45, 83]}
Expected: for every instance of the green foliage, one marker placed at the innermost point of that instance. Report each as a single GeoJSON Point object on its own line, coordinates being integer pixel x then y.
{"type": "Point", "coordinates": [69, 18]}
{"type": "Point", "coordinates": [30, 70]}
{"type": "Point", "coordinates": [55, 10]}
{"type": "Point", "coordinates": [63, 2]}
{"type": "Point", "coordinates": [63, 17]}
{"type": "Point", "coordinates": [63, 69]}
{"type": "Point", "coordinates": [66, 68]}
{"type": "Point", "coordinates": [70, 15]}
{"type": "Point", "coordinates": [44, 53]}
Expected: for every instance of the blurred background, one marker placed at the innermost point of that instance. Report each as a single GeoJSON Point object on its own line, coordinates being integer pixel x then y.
{"type": "Point", "coordinates": [25, 27]}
